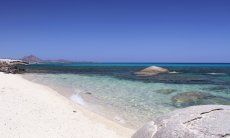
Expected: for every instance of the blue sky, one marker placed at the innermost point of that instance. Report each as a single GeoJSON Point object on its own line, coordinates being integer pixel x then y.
{"type": "Point", "coordinates": [117, 30]}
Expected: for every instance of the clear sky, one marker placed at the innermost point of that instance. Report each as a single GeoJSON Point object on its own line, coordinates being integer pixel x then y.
{"type": "Point", "coordinates": [117, 30]}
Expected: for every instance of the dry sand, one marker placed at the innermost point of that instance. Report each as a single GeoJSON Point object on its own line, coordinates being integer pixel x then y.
{"type": "Point", "coordinates": [30, 110]}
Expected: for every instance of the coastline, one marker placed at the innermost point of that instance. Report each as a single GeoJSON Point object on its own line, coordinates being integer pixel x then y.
{"type": "Point", "coordinates": [29, 109]}
{"type": "Point", "coordinates": [87, 101]}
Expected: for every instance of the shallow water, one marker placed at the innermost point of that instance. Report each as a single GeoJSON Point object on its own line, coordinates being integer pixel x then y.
{"type": "Point", "coordinates": [115, 92]}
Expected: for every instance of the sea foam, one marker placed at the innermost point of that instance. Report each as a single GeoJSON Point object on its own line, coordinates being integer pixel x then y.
{"type": "Point", "coordinates": [78, 99]}
{"type": "Point", "coordinates": [213, 73]}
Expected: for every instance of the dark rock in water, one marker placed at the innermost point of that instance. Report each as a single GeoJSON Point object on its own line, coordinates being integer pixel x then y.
{"type": "Point", "coordinates": [189, 98]}
{"type": "Point", "coordinates": [166, 91]}
{"type": "Point", "coordinates": [206, 121]}
{"type": "Point", "coordinates": [89, 93]}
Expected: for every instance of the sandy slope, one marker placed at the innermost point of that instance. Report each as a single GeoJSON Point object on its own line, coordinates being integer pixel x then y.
{"type": "Point", "coordinates": [31, 110]}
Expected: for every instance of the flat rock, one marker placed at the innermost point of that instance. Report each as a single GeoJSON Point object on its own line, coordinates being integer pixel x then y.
{"type": "Point", "coordinates": [152, 70]}
{"type": "Point", "coordinates": [205, 121]}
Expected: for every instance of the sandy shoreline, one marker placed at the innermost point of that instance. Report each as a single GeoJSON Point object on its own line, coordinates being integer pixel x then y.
{"type": "Point", "coordinates": [86, 101]}
{"type": "Point", "coordinates": [33, 110]}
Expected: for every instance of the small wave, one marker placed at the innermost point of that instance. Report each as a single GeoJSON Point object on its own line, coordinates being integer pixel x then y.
{"type": "Point", "coordinates": [174, 72]}
{"type": "Point", "coordinates": [77, 99]}
{"type": "Point", "coordinates": [213, 73]}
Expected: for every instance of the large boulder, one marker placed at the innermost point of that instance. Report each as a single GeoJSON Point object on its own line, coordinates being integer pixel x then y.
{"type": "Point", "coordinates": [206, 121]}
{"type": "Point", "coordinates": [152, 70]}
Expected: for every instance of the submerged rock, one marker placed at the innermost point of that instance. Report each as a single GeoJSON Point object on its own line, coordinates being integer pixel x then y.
{"type": "Point", "coordinates": [189, 98]}
{"type": "Point", "coordinates": [166, 91]}
{"type": "Point", "coordinates": [153, 70]}
{"type": "Point", "coordinates": [89, 93]}
{"type": "Point", "coordinates": [220, 88]}
{"type": "Point", "coordinates": [206, 121]}
{"type": "Point", "coordinates": [217, 100]}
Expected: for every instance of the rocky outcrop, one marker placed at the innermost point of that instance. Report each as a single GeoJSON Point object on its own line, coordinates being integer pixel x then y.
{"type": "Point", "coordinates": [12, 66]}
{"type": "Point", "coordinates": [206, 121]}
{"type": "Point", "coordinates": [153, 70]}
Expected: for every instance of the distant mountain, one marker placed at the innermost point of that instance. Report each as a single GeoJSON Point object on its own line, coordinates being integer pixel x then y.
{"type": "Point", "coordinates": [32, 59]}
{"type": "Point", "coordinates": [58, 61]}
{"type": "Point", "coordinates": [35, 60]}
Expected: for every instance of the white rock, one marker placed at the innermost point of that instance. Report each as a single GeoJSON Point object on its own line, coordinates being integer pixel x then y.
{"type": "Point", "coordinates": [152, 70]}
{"type": "Point", "coordinates": [206, 121]}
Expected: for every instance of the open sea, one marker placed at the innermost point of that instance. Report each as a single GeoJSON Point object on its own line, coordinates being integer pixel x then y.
{"type": "Point", "coordinates": [116, 92]}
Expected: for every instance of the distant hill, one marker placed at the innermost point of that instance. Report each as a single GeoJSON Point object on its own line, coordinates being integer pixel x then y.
{"type": "Point", "coordinates": [35, 60]}
{"type": "Point", "coordinates": [32, 59]}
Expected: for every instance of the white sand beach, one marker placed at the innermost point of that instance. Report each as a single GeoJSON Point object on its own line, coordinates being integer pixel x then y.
{"type": "Point", "coordinates": [31, 110]}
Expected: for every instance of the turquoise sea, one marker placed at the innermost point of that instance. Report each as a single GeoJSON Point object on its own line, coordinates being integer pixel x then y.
{"type": "Point", "coordinates": [114, 91]}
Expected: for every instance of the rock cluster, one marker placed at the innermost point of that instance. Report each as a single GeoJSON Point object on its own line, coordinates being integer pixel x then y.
{"type": "Point", "coordinates": [11, 66]}
{"type": "Point", "coordinates": [206, 121]}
